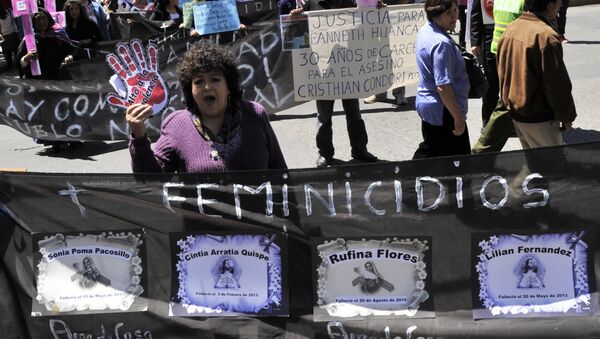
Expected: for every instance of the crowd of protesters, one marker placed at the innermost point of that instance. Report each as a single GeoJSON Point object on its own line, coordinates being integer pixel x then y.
{"type": "Point", "coordinates": [86, 23]}
{"type": "Point", "coordinates": [529, 90]}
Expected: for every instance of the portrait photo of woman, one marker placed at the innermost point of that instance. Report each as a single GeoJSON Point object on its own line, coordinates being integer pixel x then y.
{"type": "Point", "coordinates": [531, 273]}
{"type": "Point", "coordinates": [227, 274]}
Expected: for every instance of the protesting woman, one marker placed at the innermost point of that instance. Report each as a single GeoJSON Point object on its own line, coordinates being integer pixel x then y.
{"type": "Point", "coordinates": [80, 28]}
{"type": "Point", "coordinates": [53, 49]}
{"type": "Point", "coordinates": [442, 94]}
{"type": "Point", "coordinates": [217, 132]}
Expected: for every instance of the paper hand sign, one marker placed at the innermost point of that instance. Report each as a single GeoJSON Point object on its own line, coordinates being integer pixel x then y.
{"type": "Point", "coordinates": [136, 78]}
{"type": "Point", "coordinates": [488, 7]}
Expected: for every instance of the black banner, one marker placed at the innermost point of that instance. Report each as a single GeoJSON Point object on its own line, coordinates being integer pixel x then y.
{"type": "Point", "coordinates": [444, 200]}
{"type": "Point", "coordinates": [77, 109]}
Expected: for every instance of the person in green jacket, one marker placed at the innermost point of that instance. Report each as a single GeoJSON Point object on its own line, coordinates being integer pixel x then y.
{"type": "Point", "coordinates": [500, 126]}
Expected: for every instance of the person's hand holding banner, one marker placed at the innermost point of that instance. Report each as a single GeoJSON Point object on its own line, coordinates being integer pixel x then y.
{"type": "Point", "coordinates": [136, 78]}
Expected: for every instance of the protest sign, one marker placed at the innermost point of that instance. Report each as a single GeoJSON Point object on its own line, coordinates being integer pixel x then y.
{"type": "Point", "coordinates": [137, 79]}
{"type": "Point", "coordinates": [24, 7]}
{"type": "Point", "coordinates": [79, 109]}
{"type": "Point", "coordinates": [357, 52]}
{"type": "Point", "coordinates": [59, 16]}
{"type": "Point", "coordinates": [487, 11]}
{"type": "Point", "coordinates": [216, 16]}
{"type": "Point", "coordinates": [294, 31]}
{"type": "Point", "coordinates": [50, 5]}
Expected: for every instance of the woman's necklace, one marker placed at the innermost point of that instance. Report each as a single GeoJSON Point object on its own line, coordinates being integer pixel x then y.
{"type": "Point", "coordinates": [214, 154]}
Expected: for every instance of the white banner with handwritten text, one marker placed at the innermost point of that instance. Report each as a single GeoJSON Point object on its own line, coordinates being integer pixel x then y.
{"type": "Point", "coordinates": [357, 52]}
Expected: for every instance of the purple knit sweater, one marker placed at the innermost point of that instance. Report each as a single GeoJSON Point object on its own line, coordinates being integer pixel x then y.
{"type": "Point", "coordinates": [181, 148]}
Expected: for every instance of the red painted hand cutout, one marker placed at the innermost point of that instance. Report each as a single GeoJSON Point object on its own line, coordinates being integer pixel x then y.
{"type": "Point", "coordinates": [136, 78]}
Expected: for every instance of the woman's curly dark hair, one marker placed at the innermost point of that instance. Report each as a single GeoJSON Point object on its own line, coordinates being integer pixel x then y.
{"type": "Point", "coordinates": [205, 57]}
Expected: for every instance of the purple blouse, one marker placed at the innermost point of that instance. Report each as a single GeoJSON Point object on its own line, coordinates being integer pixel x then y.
{"type": "Point", "coordinates": [181, 148]}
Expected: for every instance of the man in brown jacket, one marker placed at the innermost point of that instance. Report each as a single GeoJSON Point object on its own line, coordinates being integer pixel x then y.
{"type": "Point", "coordinates": [534, 82]}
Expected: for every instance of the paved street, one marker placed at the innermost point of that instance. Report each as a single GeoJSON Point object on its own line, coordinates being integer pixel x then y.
{"type": "Point", "coordinates": [394, 133]}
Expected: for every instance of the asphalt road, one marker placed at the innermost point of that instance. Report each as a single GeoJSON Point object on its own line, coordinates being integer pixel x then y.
{"type": "Point", "coordinates": [394, 133]}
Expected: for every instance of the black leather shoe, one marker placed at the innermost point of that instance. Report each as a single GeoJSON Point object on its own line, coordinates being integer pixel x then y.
{"type": "Point", "coordinates": [323, 161]}
{"type": "Point", "coordinates": [365, 156]}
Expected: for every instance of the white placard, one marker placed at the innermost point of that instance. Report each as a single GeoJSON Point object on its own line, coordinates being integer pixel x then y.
{"type": "Point", "coordinates": [357, 52]}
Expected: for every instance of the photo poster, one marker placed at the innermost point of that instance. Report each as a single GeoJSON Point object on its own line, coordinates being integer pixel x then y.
{"type": "Point", "coordinates": [216, 16]}
{"type": "Point", "coordinates": [376, 278]}
{"type": "Point", "coordinates": [533, 275]}
{"type": "Point", "coordinates": [229, 274]}
{"type": "Point", "coordinates": [89, 272]}
{"type": "Point", "coordinates": [357, 52]}
{"type": "Point", "coordinates": [294, 31]}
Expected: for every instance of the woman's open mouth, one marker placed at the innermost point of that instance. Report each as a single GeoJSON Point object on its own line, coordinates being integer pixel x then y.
{"type": "Point", "coordinates": [210, 99]}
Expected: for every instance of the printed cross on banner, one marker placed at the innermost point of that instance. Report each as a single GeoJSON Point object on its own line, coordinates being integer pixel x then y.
{"type": "Point", "coordinates": [72, 191]}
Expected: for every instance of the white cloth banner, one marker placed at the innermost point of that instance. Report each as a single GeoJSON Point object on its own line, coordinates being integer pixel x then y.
{"type": "Point", "coordinates": [357, 52]}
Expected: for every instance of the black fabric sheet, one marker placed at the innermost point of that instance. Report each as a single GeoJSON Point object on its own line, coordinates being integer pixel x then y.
{"type": "Point", "coordinates": [306, 203]}
{"type": "Point", "coordinates": [76, 108]}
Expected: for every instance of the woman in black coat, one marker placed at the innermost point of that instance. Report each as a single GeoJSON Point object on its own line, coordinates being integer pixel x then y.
{"type": "Point", "coordinates": [80, 28]}
{"type": "Point", "coordinates": [53, 48]}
